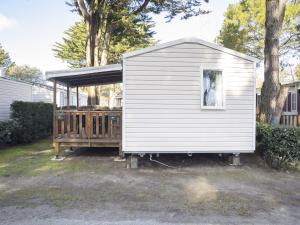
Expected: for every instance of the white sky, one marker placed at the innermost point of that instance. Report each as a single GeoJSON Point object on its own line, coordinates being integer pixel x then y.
{"type": "Point", "coordinates": [29, 28]}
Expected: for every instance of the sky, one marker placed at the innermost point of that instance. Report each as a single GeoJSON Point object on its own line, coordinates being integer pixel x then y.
{"type": "Point", "coordinates": [30, 28]}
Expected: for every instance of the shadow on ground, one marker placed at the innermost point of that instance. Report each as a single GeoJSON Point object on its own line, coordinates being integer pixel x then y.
{"type": "Point", "coordinates": [172, 160]}
{"type": "Point", "coordinates": [91, 187]}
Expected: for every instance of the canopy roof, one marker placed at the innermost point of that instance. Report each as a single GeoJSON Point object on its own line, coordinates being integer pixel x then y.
{"type": "Point", "coordinates": [190, 40]}
{"type": "Point", "coordinates": [87, 76]}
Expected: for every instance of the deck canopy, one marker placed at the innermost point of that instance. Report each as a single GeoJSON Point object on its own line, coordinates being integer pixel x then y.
{"type": "Point", "coordinates": [87, 76]}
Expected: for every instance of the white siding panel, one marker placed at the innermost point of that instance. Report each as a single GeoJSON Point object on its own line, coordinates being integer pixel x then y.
{"type": "Point", "coordinates": [195, 63]}
{"type": "Point", "coordinates": [190, 144]}
{"type": "Point", "coordinates": [180, 77]}
{"type": "Point", "coordinates": [42, 94]}
{"type": "Point", "coordinates": [184, 92]}
{"type": "Point", "coordinates": [162, 110]}
{"type": "Point", "coordinates": [184, 97]}
{"type": "Point", "coordinates": [179, 88]}
{"type": "Point", "coordinates": [11, 91]}
{"type": "Point", "coordinates": [178, 113]}
{"type": "Point", "coordinates": [188, 149]}
{"type": "Point", "coordinates": [187, 68]}
{"type": "Point", "coordinates": [186, 136]}
{"type": "Point", "coordinates": [173, 73]}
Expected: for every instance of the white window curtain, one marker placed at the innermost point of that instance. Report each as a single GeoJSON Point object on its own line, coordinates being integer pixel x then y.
{"type": "Point", "coordinates": [212, 88]}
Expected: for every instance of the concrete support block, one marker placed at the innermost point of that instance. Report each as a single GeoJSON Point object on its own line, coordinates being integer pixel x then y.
{"type": "Point", "coordinates": [236, 159]}
{"type": "Point", "coordinates": [133, 160]}
{"type": "Point", "coordinates": [121, 153]}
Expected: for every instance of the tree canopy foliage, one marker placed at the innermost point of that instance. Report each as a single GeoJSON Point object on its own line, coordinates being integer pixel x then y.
{"type": "Point", "coordinates": [110, 28]}
{"type": "Point", "coordinates": [24, 72]}
{"type": "Point", "coordinates": [4, 57]}
{"type": "Point", "coordinates": [72, 49]}
{"type": "Point", "coordinates": [244, 28]}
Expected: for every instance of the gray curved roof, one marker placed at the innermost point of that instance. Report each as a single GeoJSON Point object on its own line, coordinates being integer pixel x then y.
{"type": "Point", "coordinates": [87, 76]}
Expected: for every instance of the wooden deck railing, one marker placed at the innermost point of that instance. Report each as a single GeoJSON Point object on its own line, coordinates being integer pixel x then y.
{"type": "Point", "coordinates": [290, 120]}
{"type": "Point", "coordinates": [71, 124]}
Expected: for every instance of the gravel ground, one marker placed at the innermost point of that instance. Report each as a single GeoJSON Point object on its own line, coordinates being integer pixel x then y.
{"type": "Point", "coordinates": [89, 187]}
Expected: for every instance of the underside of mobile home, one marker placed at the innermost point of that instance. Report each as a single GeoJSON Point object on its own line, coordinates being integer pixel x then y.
{"type": "Point", "coordinates": [185, 96]}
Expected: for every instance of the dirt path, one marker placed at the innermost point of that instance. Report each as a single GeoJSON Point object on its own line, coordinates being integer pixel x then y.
{"type": "Point", "coordinates": [90, 188]}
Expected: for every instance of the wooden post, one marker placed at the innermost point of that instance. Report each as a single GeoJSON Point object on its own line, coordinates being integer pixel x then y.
{"type": "Point", "coordinates": [77, 97]}
{"type": "Point", "coordinates": [56, 150]}
{"type": "Point", "coordinates": [54, 110]}
{"type": "Point", "coordinates": [68, 113]}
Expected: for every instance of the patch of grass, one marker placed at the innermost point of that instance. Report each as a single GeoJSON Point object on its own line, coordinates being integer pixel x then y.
{"type": "Point", "coordinates": [34, 160]}
{"type": "Point", "coordinates": [24, 159]}
{"type": "Point", "coordinates": [11, 153]}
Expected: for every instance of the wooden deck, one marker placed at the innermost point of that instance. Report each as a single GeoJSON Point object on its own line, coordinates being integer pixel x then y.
{"type": "Point", "coordinates": [74, 128]}
{"type": "Point", "coordinates": [290, 120]}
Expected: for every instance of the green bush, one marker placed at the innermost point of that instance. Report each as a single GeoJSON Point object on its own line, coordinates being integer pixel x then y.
{"type": "Point", "coordinates": [29, 121]}
{"type": "Point", "coordinates": [7, 131]}
{"type": "Point", "coordinates": [279, 146]}
{"type": "Point", "coordinates": [34, 118]}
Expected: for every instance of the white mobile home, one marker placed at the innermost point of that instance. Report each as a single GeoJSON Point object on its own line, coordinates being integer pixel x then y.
{"type": "Point", "coordinates": [17, 90]}
{"type": "Point", "coordinates": [185, 96]}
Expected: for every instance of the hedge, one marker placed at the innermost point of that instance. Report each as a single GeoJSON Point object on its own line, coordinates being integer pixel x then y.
{"type": "Point", "coordinates": [29, 121]}
{"type": "Point", "coordinates": [279, 146]}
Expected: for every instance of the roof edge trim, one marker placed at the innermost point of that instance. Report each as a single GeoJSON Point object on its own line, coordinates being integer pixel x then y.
{"type": "Point", "coordinates": [190, 40]}
{"type": "Point", "coordinates": [85, 70]}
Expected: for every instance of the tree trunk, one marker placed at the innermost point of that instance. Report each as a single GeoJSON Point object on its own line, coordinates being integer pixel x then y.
{"type": "Point", "coordinates": [273, 94]}
{"type": "Point", "coordinates": [106, 43]}
{"type": "Point", "coordinates": [89, 47]}
{"type": "Point", "coordinates": [92, 53]}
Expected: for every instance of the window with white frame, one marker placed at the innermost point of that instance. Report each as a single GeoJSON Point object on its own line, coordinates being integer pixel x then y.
{"type": "Point", "coordinates": [212, 89]}
{"type": "Point", "coordinates": [290, 105]}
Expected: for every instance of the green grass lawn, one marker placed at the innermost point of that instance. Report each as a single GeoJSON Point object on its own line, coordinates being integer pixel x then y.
{"type": "Point", "coordinates": [26, 159]}
{"type": "Point", "coordinates": [35, 159]}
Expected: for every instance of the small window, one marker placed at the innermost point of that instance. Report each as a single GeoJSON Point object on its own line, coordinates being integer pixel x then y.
{"type": "Point", "coordinates": [212, 89]}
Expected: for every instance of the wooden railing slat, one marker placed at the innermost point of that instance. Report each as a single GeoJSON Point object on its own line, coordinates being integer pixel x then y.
{"type": "Point", "coordinates": [87, 124]}
{"type": "Point", "coordinates": [103, 124]}
{"type": "Point", "coordinates": [74, 123]}
{"type": "Point", "coordinates": [68, 124]}
{"type": "Point", "coordinates": [62, 129]}
{"type": "Point", "coordinates": [80, 124]}
{"type": "Point", "coordinates": [108, 126]}
{"type": "Point", "coordinates": [97, 124]}
{"type": "Point", "coordinates": [56, 125]}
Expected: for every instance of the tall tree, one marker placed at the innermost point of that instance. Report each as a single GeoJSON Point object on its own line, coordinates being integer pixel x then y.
{"type": "Point", "coordinates": [103, 17]}
{"type": "Point", "coordinates": [137, 34]}
{"type": "Point", "coordinates": [273, 94]}
{"type": "Point", "coordinates": [24, 72]}
{"type": "Point", "coordinates": [244, 28]}
{"type": "Point", "coordinates": [72, 48]}
{"type": "Point", "coordinates": [4, 58]}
